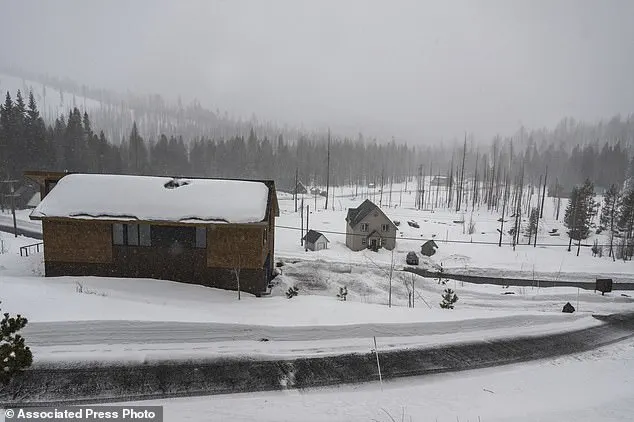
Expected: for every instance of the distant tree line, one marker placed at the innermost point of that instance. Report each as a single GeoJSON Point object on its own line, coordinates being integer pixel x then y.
{"type": "Point", "coordinates": [474, 174]}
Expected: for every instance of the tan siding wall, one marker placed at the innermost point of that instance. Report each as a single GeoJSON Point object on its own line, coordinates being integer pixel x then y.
{"type": "Point", "coordinates": [227, 243]}
{"type": "Point", "coordinates": [374, 223]}
{"type": "Point", "coordinates": [71, 241]}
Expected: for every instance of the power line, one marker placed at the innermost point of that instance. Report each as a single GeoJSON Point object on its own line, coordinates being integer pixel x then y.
{"type": "Point", "coordinates": [477, 242]}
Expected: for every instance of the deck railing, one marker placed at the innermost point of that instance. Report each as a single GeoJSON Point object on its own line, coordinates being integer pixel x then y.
{"type": "Point", "coordinates": [27, 249]}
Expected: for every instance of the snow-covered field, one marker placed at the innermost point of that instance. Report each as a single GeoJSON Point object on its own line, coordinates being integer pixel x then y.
{"type": "Point", "coordinates": [105, 319]}
{"type": "Point", "coordinates": [549, 260]}
{"type": "Point", "coordinates": [317, 322]}
{"type": "Point", "coordinates": [593, 386]}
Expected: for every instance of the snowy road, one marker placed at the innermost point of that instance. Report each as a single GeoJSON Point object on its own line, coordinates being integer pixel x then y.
{"type": "Point", "coordinates": [152, 332]}
{"type": "Point", "coordinates": [142, 341]}
{"type": "Point", "coordinates": [148, 379]}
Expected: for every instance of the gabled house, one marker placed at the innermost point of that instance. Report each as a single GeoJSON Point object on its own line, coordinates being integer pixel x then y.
{"type": "Point", "coordinates": [200, 231]}
{"type": "Point", "coordinates": [315, 241]}
{"type": "Point", "coordinates": [368, 227]}
{"type": "Point", "coordinates": [429, 248]}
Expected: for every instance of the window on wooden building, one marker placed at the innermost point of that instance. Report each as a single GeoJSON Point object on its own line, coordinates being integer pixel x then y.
{"type": "Point", "coordinates": [145, 235]}
{"type": "Point", "coordinates": [131, 234]}
{"type": "Point", "coordinates": [170, 236]}
{"type": "Point", "coordinates": [201, 237]}
{"type": "Point", "coordinates": [117, 234]}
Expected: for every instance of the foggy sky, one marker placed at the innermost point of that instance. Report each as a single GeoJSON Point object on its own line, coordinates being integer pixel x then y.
{"type": "Point", "coordinates": [419, 71]}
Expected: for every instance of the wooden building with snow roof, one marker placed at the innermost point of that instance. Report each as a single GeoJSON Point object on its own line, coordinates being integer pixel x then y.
{"type": "Point", "coordinates": [194, 230]}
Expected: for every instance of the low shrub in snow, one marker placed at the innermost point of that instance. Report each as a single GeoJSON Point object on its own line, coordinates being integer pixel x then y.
{"type": "Point", "coordinates": [15, 356]}
{"type": "Point", "coordinates": [292, 292]}
{"type": "Point", "coordinates": [448, 299]}
{"type": "Point", "coordinates": [343, 293]}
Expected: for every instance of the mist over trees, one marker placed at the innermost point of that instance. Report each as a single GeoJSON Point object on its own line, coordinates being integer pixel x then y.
{"type": "Point", "coordinates": [473, 172]}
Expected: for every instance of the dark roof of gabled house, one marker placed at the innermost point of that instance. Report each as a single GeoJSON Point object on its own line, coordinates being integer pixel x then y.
{"type": "Point", "coordinates": [312, 236]}
{"type": "Point", "coordinates": [430, 243]}
{"type": "Point", "coordinates": [355, 215]}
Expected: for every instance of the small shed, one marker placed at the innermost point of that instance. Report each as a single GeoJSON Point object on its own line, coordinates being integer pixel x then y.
{"type": "Point", "coordinates": [428, 248]}
{"type": "Point", "coordinates": [315, 241]}
{"type": "Point", "coordinates": [604, 285]}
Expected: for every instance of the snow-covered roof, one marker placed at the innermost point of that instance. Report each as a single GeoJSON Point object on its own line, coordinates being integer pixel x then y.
{"type": "Point", "coordinates": [149, 198]}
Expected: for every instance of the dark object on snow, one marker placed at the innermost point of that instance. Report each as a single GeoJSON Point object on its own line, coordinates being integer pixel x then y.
{"type": "Point", "coordinates": [264, 339]}
{"type": "Point", "coordinates": [279, 264]}
{"type": "Point", "coordinates": [508, 293]}
{"type": "Point", "coordinates": [413, 223]}
{"type": "Point", "coordinates": [568, 308]}
{"type": "Point", "coordinates": [412, 258]}
{"type": "Point", "coordinates": [396, 223]}
{"type": "Point", "coordinates": [175, 183]}
{"type": "Point", "coordinates": [429, 248]}
{"type": "Point", "coordinates": [292, 292]}
{"type": "Point", "coordinates": [604, 285]}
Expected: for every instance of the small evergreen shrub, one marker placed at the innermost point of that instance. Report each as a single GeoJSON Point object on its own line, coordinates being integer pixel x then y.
{"type": "Point", "coordinates": [449, 298]}
{"type": "Point", "coordinates": [292, 292]}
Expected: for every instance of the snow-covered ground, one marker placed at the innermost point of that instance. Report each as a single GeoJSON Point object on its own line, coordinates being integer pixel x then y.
{"type": "Point", "coordinates": [318, 323]}
{"type": "Point", "coordinates": [195, 321]}
{"type": "Point", "coordinates": [593, 386]}
{"type": "Point", "coordinates": [549, 260]}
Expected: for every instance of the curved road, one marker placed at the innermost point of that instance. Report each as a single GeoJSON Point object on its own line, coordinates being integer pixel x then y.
{"type": "Point", "coordinates": [136, 381]}
{"type": "Point", "coordinates": [155, 332]}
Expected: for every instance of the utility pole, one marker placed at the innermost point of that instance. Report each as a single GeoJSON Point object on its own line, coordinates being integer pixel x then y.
{"type": "Point", "coordinates": [503, 210]}
{"type": "Point", "coordinates": [391, 269]}
{"type": "Point", "coordinates": [327, 171]}
{"type": "Point", "coordinates": [307, 216]}
{"type": "Point", "coordinates": [541, 212]}
{"type": "Point", "coordinates": [295, 191]}
{"type": "Point", "coordinates": [431, 166]}
{"type": "Point", "coordinates": [558, 193]}
{"type": "Point", "coordinates": [302, 233]}
{"type": "Point", "coordinates": [381, 196]}
{"type": "Point", "coordinates": [475, 183]}
{"type": "Point", "coordinates": [461, 185]}
{"type": "Point", "coordinates": [12, 195]}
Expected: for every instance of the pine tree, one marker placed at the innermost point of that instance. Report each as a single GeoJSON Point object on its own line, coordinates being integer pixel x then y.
{"type": "Point", "coordinates": [579, 212]}
{"type": "Point", "coordinates": [449, 298]}
{"type": "Point", "coordinates": [610, 214]}
{"type": "Point", "coordinates": [6, 138]}
{"type": "Point", "coordinates": [35, 137]}
{"type": "Point", "coordinates": [15, 356]}
{"type": "Point", "coordinates": [73, 141]}
{"type": "Point", "coordinates": [626, 220]}
{"type": "Point", "coordinates": [137, 152]}
{"type": "Point", "coordinates": [533, 220]}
